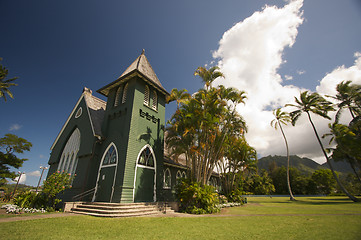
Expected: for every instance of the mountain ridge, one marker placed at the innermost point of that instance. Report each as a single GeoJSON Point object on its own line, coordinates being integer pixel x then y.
{"type": "Point", "coordinates": [303, 164]}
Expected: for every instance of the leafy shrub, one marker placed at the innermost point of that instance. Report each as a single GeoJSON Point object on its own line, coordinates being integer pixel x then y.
{"type": "Point", "coordinates": [53, 186]}
{"type": "Point", "coordinates": [236, 197]}
{"type": "Point", "coordinates": [195, 199]}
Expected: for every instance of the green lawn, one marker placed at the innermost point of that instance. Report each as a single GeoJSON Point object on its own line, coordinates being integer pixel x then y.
{"type": "Point", "coordinates": [262, 218]}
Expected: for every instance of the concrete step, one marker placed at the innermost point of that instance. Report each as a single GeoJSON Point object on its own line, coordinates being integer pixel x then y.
{"type": "Point", "coordinates": [115, 209]}
{"type": "Point", "coordinates": [113, 215]}
{"type": "Point", "coordinates": [125, 207]}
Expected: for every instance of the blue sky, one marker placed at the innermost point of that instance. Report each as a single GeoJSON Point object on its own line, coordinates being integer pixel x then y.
{"type": "Point", "coordinates": [58, 47]}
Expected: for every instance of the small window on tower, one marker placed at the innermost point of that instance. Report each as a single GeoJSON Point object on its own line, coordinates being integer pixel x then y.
{"type": "Point", "coordinates": [146, 96]}
{"type": "Point", "coordinates": [125, 93]}
{"type": "Point", "coordinates": [155, 101]}
{"type": "Point", "coordinates": [117, 96]}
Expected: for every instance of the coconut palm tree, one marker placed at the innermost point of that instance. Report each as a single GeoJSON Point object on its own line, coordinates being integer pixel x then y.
{"type": "Point", "coordinates": [283, 118]}
{"type": "Point", "coordinates": [347, 96]}
{"type": "Point", "coordinates": [314, 103]}
{"type": "Point", "coordinates": [5, 84]}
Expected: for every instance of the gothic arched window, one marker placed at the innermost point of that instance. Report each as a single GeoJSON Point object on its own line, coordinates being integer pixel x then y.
{"type": "Point", "coordinates": [155, 101]}
{"type": "Point", "coordinates": [110, 156]}
{"type": "Point", "coordinates": [167, 178]}
{"type": "Point", "coordinates": [146, 95]}
{"type": "Point", "coordinates": [124, 99]}
{"type": "Point", "coordinates": [146, 158]}
{"type": "Point", "coordinates": [69, 159]}
{"type": "Point", "coordinates": [117, 96]}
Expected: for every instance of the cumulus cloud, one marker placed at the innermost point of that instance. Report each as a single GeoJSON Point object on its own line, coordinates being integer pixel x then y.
{"type": "Point", "coordinates": [249, 55]}
{"type": "Point", "coordinates": [22, 179]}
{"type": "Point", "coordinates": [15, 127]}
{"type": "Point", "coordinates": [34, 173]}
{"type": "Point", "coordinates": [288, 77]}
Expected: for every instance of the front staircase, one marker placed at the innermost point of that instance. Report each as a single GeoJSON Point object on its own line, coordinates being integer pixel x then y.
{"type": "Point", "coordinates": [100, 209]}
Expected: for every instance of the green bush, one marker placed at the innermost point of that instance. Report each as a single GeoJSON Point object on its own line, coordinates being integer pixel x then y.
{"type": "Point", "coordinates": [195, 199]}
{"type": "Point", "coordinates": [236, 197]}
{"type": "Point", "coordinates": [53, 186]}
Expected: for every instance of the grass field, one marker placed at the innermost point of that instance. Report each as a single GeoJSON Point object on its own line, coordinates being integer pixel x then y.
{"type": "Point", "coordinates": [261, 218]}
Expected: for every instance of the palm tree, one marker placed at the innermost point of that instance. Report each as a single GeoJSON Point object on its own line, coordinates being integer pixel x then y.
{"type": "Point", "coordinates": [347, 96]}
{"type": "Point", "coordinates": [314, 103]}
{"type": "Point", "coordinates": [283, 118]}
{"type": "Point", "coordinates": [180, 96]}
{"type": "Point", "coordinates": [208, 75]}
{"type": "Point", "coordinates": [5, 84]}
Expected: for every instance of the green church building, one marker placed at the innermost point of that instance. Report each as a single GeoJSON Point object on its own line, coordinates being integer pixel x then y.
{"type": "Point", "coordinates": [115, 148]}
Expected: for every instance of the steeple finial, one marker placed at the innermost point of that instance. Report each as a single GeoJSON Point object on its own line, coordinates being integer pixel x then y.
{"type": "Point", "coordinates": [143, 51]}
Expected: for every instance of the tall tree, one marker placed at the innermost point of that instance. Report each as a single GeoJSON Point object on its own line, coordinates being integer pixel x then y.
{"type": "Point", "coordinates": [314, 103]}
{"type": "Point", "coordinates": [5, 84]}
{"type": "Point", "coordinates": [284, 118]}
{"type": "Point", "coordinates": [200, 127]}
{"type": "Point", "coordinates": [9, 145]}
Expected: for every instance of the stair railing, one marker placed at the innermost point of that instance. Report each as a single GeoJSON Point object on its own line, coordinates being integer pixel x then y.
{"type": "Point", "coordinates": [83, 194]}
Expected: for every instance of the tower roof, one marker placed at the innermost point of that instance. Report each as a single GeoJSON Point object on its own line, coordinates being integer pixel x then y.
{"type": "Point", "coordinates": [140, 67]}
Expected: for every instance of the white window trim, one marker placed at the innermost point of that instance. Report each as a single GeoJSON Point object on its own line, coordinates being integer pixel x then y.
{"type": "Point", "coordinates": [170, 179]}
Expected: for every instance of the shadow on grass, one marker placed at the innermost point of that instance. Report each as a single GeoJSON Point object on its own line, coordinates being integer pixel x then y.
{"type": "Point", "coordinates": [317, 201]}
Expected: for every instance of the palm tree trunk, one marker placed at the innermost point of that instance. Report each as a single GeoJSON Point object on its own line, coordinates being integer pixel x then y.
{"type": "Point", "coordinates": [292, 198]}
{"type": "Point", "coordinates": [355, 171]}
{"type": "Point", "coordinates": [330, 164]}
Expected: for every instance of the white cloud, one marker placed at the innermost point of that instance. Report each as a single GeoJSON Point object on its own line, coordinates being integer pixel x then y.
{"type": "Point", "coordinates": [22, 178]}
{"type": "Point", "coordinates": [288, 77]}
{"type": "Point", "coordinates": [329, 82]}
{"type": "Point", "coordinates": [34, 173]}
{"type": "Point", "coordinates": [15, 127]}
{"type": "Point", "coordinates": [301, 72]}
{"type": "Point", "coordinates": [250, 53]}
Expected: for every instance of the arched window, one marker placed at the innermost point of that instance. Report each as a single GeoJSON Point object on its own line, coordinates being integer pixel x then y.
{"type": "Point", "coordinates": [146, 95]}
{"type": "Point", "coordinates": [178, 176]}
{"type": "Point", "coordinates": [69, 155]}
{"type": "Point", "coordinates": [117, 96]}
{"type": "Point", "coordinates": [110, 156]}
{"type": "Point", "coordinates": [146, 158]}
{"type": "Point", "coordinates": [155, 101]}
{"type": "Point", "coordinates": [184, 175]}
{"type": "Point", "coordinates": [167, 178]}
{"type": "Point", "coordinates": [124, 99]}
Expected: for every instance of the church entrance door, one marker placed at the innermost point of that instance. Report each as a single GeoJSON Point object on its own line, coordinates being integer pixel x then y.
{"type": "Point", "coordinates": [106, 176]}
{"type": "Point", "coordinates": [145, 176]}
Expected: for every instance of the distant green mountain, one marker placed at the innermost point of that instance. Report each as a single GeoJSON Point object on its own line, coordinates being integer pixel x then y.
{"type": "Point", "coordinates": [305, 165]}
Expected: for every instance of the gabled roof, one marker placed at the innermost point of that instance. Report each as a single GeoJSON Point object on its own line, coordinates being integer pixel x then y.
{"type": "Point", "coordinates": [95, 108]}
{"type": "Point", "coordinates": [140, 67]}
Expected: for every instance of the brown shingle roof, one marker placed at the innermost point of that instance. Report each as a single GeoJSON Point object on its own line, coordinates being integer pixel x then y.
{"type": "Point", "coordinates": [96, 108]}
{"type": "Point", "coordinates": [140, 67]}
